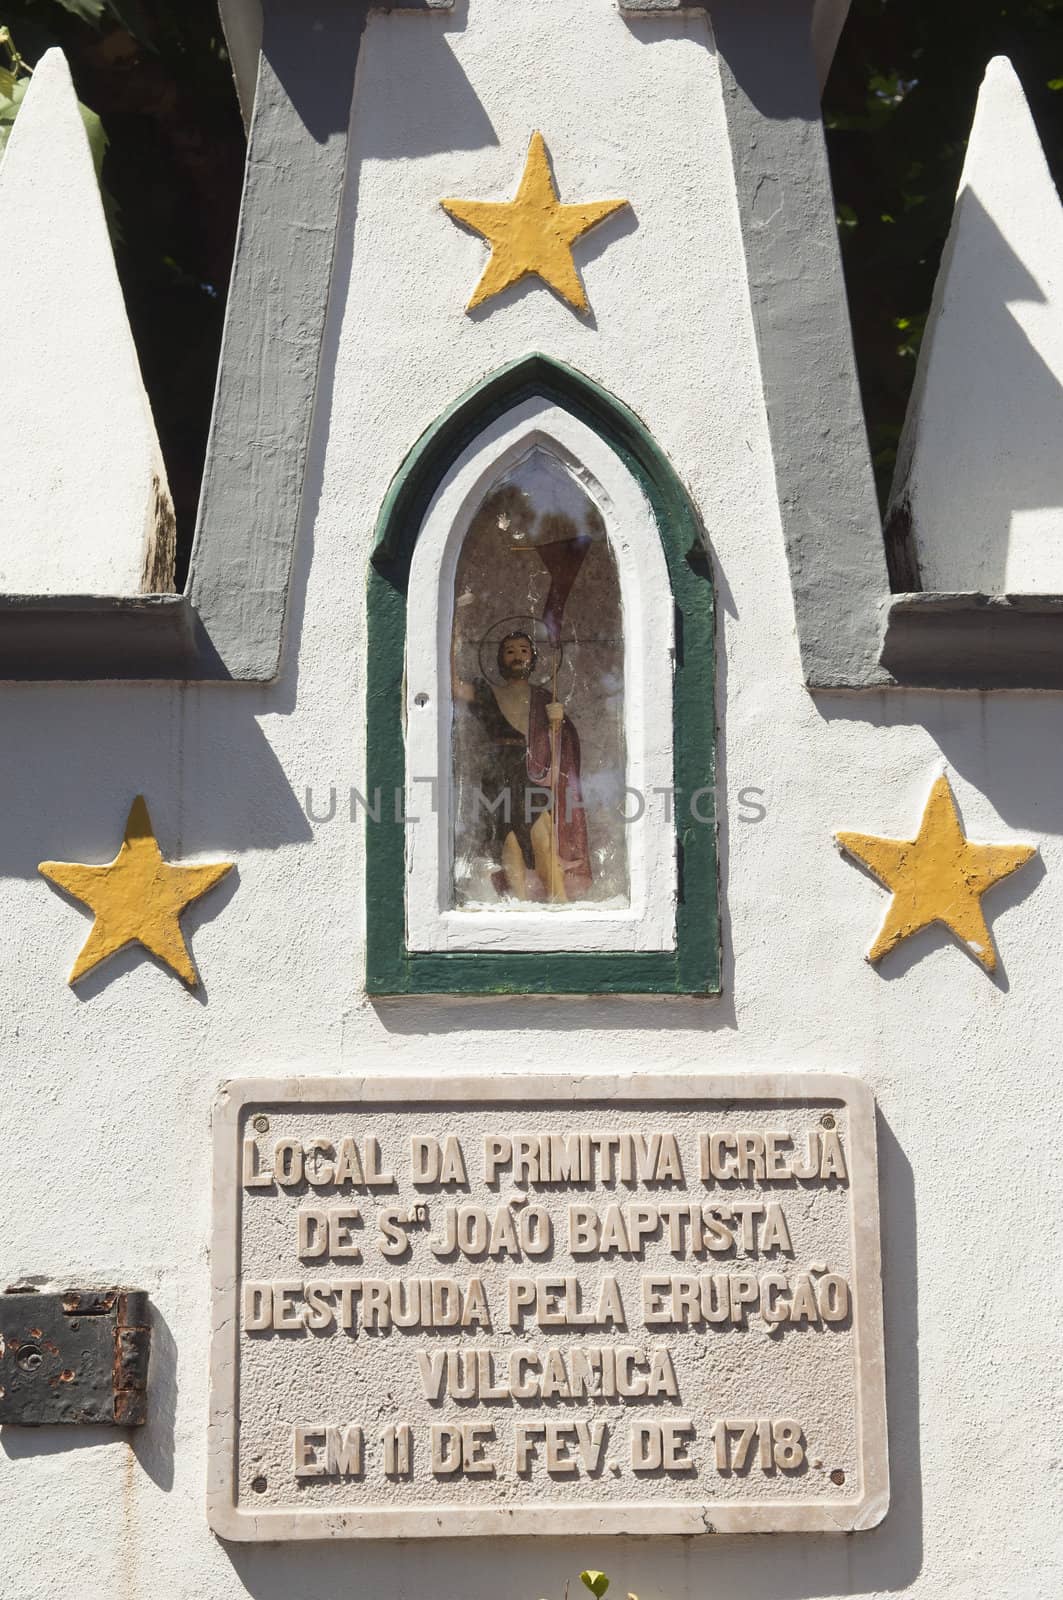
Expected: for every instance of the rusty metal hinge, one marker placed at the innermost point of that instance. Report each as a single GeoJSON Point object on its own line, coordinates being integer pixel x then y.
{"type": "Point", "coordinates": [78, 1357]}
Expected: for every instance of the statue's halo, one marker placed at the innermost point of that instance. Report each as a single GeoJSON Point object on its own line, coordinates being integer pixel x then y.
{"type": "Point", "coordinates": [548, 652]}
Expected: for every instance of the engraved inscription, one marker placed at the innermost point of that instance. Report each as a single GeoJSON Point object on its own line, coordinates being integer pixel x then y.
{"type": "Point", "coordinates": [655, 1302]}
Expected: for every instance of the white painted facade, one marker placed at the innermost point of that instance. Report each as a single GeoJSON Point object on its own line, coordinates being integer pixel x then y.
{"type": "Point", "coordinates": [980, 462]}
{"type": "Point", "coordinates": [106, 1173]}
{"type": "Point", "coordinates": [86, 505]}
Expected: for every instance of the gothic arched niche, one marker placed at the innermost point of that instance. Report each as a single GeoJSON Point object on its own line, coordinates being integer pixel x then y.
{"type": "Point", "coordinates": [538, 767]}
{"type": "Point", "coordinates": [538, 695]}
{"type": "Point", "coordinates": [540, 663]}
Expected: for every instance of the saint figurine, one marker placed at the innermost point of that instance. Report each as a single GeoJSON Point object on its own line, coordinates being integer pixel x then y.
{"type": "Point", "coordinates": [530, 801]}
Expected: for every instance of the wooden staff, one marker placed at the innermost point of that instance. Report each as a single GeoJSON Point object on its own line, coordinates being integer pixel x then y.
{"type": "Point", "coordinates": [557, 886]}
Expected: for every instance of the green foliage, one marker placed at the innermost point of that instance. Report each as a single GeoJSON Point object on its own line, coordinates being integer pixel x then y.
{"type": "Point", "coordinates": [13, 84]}
{"type": "Point", "coordinates": [597, 1583]}
{"type": "Point", "coordinates": [10, 100]}
{"type": "Point", "coordinates": [97, 12]}
{"type": "Point", "coordinates": [9, 53]}
{"type": "Point", "coordinates": [97, 139]}
{"type": "Point", "coordinates": [90, 10]}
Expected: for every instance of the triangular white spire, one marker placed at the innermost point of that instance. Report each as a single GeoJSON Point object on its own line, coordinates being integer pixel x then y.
{"type": "Point", "coordinates": [84, 504]}
{"type": "Point", "coordinates": [979, 479]}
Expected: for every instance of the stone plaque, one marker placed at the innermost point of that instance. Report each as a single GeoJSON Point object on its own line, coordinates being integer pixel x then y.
{"type": "Point", "coordinates": [564, 1306]}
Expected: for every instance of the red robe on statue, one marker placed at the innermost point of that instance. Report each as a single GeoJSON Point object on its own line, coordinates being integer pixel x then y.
{"type": "Point", "coordinates": [571, 819]}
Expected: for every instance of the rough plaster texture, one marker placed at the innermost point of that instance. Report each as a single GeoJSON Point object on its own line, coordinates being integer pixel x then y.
{"type": "Point", "coordinates": [824, 483]}
{"type": "Point", "coordinates": [979, 471]}
{"type": "Point", "coordinates": [106, 1124]}
{"type": "Point", "coordinates": [86, 509]}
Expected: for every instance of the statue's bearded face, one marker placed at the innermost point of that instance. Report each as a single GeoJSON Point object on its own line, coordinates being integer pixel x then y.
{"type": "Point", "coordinates": [516, 659]}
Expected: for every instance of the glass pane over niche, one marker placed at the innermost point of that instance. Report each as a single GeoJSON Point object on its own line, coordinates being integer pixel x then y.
{"type": "Point", "coordinates": [537, 661]}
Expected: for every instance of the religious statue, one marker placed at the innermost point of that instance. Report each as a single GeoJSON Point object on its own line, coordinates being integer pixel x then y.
{"type": "Point", "coordinates": [537, 609]}
{"type": "Point", "coordinates": [530, 790]}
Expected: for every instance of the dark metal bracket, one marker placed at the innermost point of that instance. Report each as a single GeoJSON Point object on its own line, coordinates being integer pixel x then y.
{"type": "Point", "coordinates": [74, 1358]}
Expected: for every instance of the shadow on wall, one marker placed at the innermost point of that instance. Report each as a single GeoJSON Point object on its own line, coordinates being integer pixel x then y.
{"type": "Point", "coordinates": [663, 27]}
{"type": "Point", "coordinates": [996, 742]}
{"type": "Point", "coordinates": [886, 1560]}
{"type": "Point", "coordinates": [772, 85]}
{"type": "Point", "coordinates": [444, 114]}
{"type": "Point", "coordinates": [197, 756]}
{"type": "Point", "coordinates": [986, 435]}
{"type": "Point", "coordinates": [387, 123]}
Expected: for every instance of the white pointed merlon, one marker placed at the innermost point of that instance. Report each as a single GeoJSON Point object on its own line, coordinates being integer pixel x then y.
{"type": "Point", "coordinates": [84, 504]}
{"type": "Point", "coordinates": [979, 483]}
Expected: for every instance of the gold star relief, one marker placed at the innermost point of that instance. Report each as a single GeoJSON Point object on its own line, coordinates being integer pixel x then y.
{"type": "Point", "coordinates": [939, 876]}
{"type": "Point", "coordinates": [138, 898]}
{"type": "Point", "coordinates": [532, 234]}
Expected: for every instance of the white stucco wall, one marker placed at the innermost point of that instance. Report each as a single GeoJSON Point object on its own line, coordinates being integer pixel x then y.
{"type": "Point", "coordinates": [980, 461]}
{"type": "Point", "coordinates": [106, 1170]}
{"type": "Point", "coordinates": [84, 502]}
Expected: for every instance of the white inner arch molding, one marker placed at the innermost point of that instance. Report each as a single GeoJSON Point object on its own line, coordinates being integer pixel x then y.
{"type": "Point", "coordinates": [647, 922]}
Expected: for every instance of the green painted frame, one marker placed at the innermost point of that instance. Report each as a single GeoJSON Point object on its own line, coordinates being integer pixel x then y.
{"type": "Point", "coordinates": [693, 967]}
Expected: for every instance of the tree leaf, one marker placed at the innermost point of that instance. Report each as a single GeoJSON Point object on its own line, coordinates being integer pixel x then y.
{"type": "Point", "coordinates": [87, 10]}
{"type": "Point", "coordinates": [97, 139]}
{"type": "Point", "coordinates": [9, 110]}
{"type": "Point", "coordinates": [596, 1582]}
{"type": "Point", "coordinates": [129, 14]}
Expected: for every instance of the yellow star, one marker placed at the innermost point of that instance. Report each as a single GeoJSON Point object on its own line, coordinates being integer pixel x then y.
{"type": "Point", "coordinates": [138, 898]}
{"type": "Point", "coordinates": [939, 876]}
{"type": "Point", "coordinates": [531, 234]}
